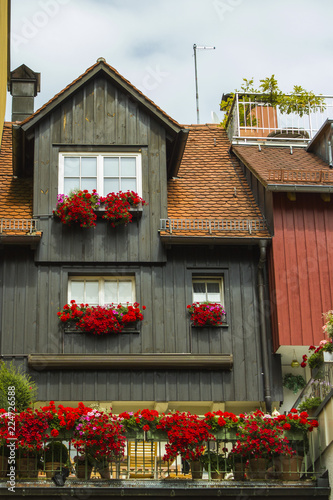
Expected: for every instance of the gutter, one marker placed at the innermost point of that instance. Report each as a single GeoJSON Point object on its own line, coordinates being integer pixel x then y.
{"type": "Point", "coordinates": [301, 188]}
{"type": "Point", "coordinates": [263, 332]}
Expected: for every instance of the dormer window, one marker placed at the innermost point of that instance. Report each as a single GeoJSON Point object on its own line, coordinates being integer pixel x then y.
{"type": "Point", "coordinates": [106, 173]}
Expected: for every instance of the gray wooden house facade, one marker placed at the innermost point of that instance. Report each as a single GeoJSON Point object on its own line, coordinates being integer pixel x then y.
{"type": "Point", "coordinates": [165, 359]}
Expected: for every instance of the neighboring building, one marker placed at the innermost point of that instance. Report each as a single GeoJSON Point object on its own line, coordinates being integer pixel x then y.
{"type": "Point", "coordinates": [4, 57]}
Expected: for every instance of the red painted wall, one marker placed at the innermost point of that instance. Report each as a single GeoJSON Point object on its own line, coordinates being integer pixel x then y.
{"type": "Point", "coordinates": [301, 268]}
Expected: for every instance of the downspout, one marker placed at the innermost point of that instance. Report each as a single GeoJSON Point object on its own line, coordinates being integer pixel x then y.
{"type": "Point", "coordinates": [263, 332]}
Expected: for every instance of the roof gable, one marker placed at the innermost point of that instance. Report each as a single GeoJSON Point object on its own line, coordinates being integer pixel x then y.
{"type": "Point", "coordinates": [102, 67]}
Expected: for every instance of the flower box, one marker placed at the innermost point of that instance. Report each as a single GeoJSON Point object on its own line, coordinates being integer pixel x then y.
{"type": "Point", "coordinates": [225, 434]}
{"type": "Point", "coordinates": [135, 435]}
{"type": "Point", "coordinates": [328, 357]}
{"type": "Point", "coordinates": [157, 435]}
{"type": "Point", "coordinates": [294, 435]}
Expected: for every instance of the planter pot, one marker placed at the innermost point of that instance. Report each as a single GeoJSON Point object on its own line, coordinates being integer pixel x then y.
{"type": "Point", "coordinates": [3, 467]}
{"type": "Point", "coordinates": [217, 476]}
{"type": "Point", "coordinates": [294, 435]}
{"type": "Point", "coordinates": [139, 436]}
{"type": "Point", "coordinates": [225, 434]}
{"type": "Point", "coordinates": [83, 471]}
{"type": "Point", "coordinates": [257, 468]}
{"type": "Point", "coordinates": [196, 470]}
{"type": "Point", "coordinates": [239, 471]}
{"type": "Point", "coordinates": [104, 473]}
{"type": "Point", "coordinates": [51, 467]}
{"type": "Point", "coordinates": [27, 468]}
{"type": "Point", "coordinates": [328, 357]}
{"type": "Point", "coordinates": [289, 467]}
{"type": "Point", "coordinates": [157, 435]}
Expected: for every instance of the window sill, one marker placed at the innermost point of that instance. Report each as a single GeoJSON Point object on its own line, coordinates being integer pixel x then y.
{"type": "Point", "coordinates": [136, 212]}
{"type": "Point", "coordinates": [128, 329]}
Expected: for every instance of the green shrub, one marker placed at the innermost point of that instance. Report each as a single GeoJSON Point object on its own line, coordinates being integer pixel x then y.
{"type": "Point", "coordinates": [24, 387]}
{"type": "Point", "coordinates": [56, 452]}
{"type": "Point", "coordinates": [309, 404]}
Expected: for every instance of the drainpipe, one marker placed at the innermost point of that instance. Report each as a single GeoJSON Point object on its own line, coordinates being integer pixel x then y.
{"type": "Point", "coordinates": [263, 333]}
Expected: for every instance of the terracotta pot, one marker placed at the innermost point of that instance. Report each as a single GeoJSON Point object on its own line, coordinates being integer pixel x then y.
{"type": "Point", "coordinates": [27, 467]}
{"type": "Point", "coordinates": [51, 467]}
{"type": "Point", "coordinates": [217, 476]}
{"type": "Point", "coordinates": [257, 468]}
{"type": "Point", "coordinates": [3, 467]}
{"type": "Point", "coordinates": [104, 473]}
{"type": "Point", "coordinates": [83, 471]}
{"type": "Point", "coordinates": [196, 470]}
{"type": "Point", "coordinates": [291, 468]}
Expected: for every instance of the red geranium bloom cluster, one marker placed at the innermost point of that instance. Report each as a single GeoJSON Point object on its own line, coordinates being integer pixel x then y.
{"type": "Point", "coordinates": [99, 436]}
{"type": "Point", "coordinates": [118, 205]}
{"type": "Point", "coordinates": [141, 419]}
{"type": "Point", "coordinates": [77, 208]}
{"type": "Point", "coordinates": [63, 417]}
{"type": "Point", "coordinates": [316, 357]}
{"type": "Point", "coordinates": [101, 320]}
{"type": "Point", "coordinates": [295, 421]}
{"type": "Point", "coordinates": [221, 420]}
{"type": "Point", "coordinates": [206, 314]}
{"type": "Point", "coordinates": [187, 435]}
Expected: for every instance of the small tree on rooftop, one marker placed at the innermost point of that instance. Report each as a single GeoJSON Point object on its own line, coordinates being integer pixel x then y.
{"type": "Point", "coordinates": [299, 101]}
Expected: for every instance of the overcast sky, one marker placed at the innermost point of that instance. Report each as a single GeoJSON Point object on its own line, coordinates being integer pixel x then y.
{"type": "Point", "coordinates": [150, 42]}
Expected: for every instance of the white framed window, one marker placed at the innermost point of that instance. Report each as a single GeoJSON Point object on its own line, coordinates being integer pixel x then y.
{"type": "Point", "coordinates": [101, 290]}
{"type": "Point", "coordinates": [208, 289]}
{"type": "Point", "coordinates": [107, 172]}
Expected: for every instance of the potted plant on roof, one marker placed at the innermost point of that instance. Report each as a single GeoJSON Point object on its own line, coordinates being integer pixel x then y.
{"type": "Point", "coordinates": [206, 314]}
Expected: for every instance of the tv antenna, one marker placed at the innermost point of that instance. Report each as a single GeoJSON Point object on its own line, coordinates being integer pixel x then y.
{"type": "Point", "coordinates": [195, 48]}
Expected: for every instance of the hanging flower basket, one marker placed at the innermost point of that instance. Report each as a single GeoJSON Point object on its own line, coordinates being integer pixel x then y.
{"type": "Point", "coordinates": [100, 320]}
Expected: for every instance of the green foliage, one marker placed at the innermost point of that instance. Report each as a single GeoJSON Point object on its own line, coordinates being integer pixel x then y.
{"type": "Point", "coordinates": [293, 382]}
{"type": "Point", "coordinates": [218, 461]}
{"type": "Point", "coordinates": [309, 404]}
{"type": "Point", "coordinates": [24, 387]}
{"type": "Point", "coordinates": [56, 451]}
{"type": "Point", "coordinates": [299, 101]}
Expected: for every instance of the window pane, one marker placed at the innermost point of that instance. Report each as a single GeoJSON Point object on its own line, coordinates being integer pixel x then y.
{"type": "Point", "coordinates": [213, 292]}
{"type": "Point", "coordinates": [111, 167]}
{"type": "Point", "coordinates": [128, 185]}
{"type": "Point", "coordinates": [128, 167]}
{"type": "Point", "coordinates": [89, 167]}
{"type": "Point", "coordinates": [110, 292]}
{"type": "Point", "coordinates": [199, 287]}
{"type": "Point", "coordinates": [88, 184]}
{"type": "Point", "coordinates": [91, 292]}
{"type": "Point", "coordinates": [71, 185]}
{"type": "Point", "coordinates": [111, 186]}
{"type": "Point", "coordinates": [72, 167]}
{"type": "Point", "coordinates": [125, 291]}
{"type": "Point", "coordinates": [77, 291]}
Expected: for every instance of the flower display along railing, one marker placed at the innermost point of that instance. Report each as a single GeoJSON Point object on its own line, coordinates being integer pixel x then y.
{"type": "Point", "coordinates": [82, 443]}
{"type": "Point", "coordinates": [100, 320]}
{"type": "Point", "coordinates": [79, 207]}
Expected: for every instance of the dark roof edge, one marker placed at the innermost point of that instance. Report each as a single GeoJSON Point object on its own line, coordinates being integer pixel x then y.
{"type": "Point", "coordinates": [300, 188]}
{"type": "Point", "coordinates": [177, 153]}
{"type": "Point", "coordinates": [326, 124]}
{"type": "Point", "coordinates": [212, 240]}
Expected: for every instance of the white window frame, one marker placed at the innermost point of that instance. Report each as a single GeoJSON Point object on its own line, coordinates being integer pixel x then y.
{"type": "Point", "coordinates": [209, 279]}
{"type": "Point", "coordinates": [100, 177]}
{"type": "Point", "coordinates": [101, 280]}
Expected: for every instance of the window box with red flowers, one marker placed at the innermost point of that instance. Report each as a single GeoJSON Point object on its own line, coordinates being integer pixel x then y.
{"type": "Point", "coordinates": [207, 314]}
{"type": "Point", "coordinates": [100, 320]}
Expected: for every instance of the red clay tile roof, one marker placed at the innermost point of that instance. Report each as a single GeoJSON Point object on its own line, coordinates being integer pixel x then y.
{"type": "Point", "coordinates": [276, 165]}
{"type": "Point", "coordinates": [15, 193]}
{"type": "Point", "coordinates": [86, 73]}
{"type": "Point", "coordinates": [211, 186]}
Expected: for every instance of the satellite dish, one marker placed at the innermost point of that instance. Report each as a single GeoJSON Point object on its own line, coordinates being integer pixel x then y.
{"type": "Point", "coordinates": [215, 118]}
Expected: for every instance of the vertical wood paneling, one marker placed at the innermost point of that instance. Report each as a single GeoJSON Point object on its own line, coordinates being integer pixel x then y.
{"type": "Point", "coordinates": [303, 272]}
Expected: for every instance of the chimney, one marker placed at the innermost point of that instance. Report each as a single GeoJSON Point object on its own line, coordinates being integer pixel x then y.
{"type": "Point", "coordinates": [23, 86]}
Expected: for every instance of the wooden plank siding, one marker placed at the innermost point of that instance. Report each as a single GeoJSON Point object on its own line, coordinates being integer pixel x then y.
{"type": "Point", "coordinates": [301, 268]}
{"type": "Point", "coordinates": [166, 289]}
{"type": "Point", "coordinates": [100, 114]}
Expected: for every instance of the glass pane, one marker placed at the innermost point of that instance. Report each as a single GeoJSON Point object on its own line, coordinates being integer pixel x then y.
{"type": "Point", "coordinates": [71, 167]}
{"type": "Point", "coordinates": [213, 292]}
{"type": "Point", "coordinates": [125, 291]}
{"type": "Point", "coordinates": [77, 291]}
{"type": "Point", "coordinates": [110, 292]}
{"type": "Point", "coordinates": [128, 185]}
{"type": "Point", "coordinates": [71, 185]}
{"type": "Point", "coordinates": [111, 186]}
{"type": "Point", "coordinates": [199, 287]}
{"type": "Point", "coordinates": [89, 184]}
{"type": "Point", "coordinates": [88, 167]}
{"type": "Point", "coordinates": [111, 167]}
{"type": "Point", "coordinates": [91, 292]}
{"type": "Point", "coordinates": [128, 167]}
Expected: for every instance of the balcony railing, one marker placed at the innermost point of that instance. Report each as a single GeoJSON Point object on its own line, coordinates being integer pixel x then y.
{"type": "Point", "coordinates": [251, 121]}
{"type": "Point", "coordinates": [18, 225]}
{"type": "Point", "coordinates": [210, 226]}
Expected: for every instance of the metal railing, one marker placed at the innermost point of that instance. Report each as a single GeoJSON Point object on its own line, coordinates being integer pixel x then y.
{"type": "Point", "coordinates": [24, 225]}
{"type": "Point", "coordinates": [252, 120]}
{"type": "Point", "coordinates": [212, 225]}
{"type": "Point", "coordinates": [319, 386]}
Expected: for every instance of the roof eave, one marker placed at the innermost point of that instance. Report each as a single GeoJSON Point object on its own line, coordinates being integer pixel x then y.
{"type": "Point", "coordinates": [212, 240]}
{"type": "Point", "coordinates": [300, 188]}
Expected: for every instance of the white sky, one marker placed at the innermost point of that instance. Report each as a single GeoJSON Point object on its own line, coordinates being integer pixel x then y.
{"type": "Point", "coordinates": [150, 42]}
